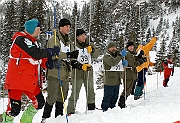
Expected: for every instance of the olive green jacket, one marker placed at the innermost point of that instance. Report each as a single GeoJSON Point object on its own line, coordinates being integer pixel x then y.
{"type": "Point", "coordinates": [65, 67]}
{"type": "Point", "coordinates": [133, 62]}
{"type": "Point", "coordinates": [80, 74]}
{"type": "Point", "coordinates": [112, 78]}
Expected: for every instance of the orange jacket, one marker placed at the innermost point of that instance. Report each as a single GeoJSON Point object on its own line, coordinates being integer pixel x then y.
{"type": "Point", "coordinates": [146, 50]}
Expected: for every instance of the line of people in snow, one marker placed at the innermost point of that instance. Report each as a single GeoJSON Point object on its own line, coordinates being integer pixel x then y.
{"type": "Point", "coordinates": [64, 58]}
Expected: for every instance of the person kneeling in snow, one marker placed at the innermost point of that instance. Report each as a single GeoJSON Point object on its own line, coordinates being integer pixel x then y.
{"type": "Point", "coordinates": [112, 62]}
{"type": "Point", "coordinates": [168, 70]}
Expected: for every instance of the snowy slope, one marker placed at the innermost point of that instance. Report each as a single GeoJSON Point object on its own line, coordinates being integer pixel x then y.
{"type": "Point", "coordinates": [161, 105]}
{"type": "Point", "coordinates": [171, 17]}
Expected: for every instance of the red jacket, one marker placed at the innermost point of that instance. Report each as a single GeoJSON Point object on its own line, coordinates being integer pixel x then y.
{"type": "Point", "coordinates": [168, 67]}
{"type": "Point", "coordinates": [25, 55]}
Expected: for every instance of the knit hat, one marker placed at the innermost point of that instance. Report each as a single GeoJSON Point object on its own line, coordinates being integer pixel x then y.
{"type": "Point", "coordinates": [143, 43]}
{"type": "Point", "coordinates": [64, 22]}
{"type": "Point", "coordinates": [129, 44]}
{"type": "Point", "coordinates": [79, 32]}
{"type": "Point", "coordinates": [31, 25]}
{"type": "Point", "coordinates": [111, 44]}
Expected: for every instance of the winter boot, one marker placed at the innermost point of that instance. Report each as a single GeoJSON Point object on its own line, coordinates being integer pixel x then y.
{"type": "Point", "coordinates": [47, 111]}
{"type": "Point", "coordinates": [28, 114]}
{"type": "Point", "coordinates": [137, 97]}
{"type": "Point", "coordinates": [91, 106]}
{"type": "Point", "coordinates": [6, 118]}
{"type": "Point", "coordinates": [59, 109]}
{"type": "Point", "coordinates": [121, 102]}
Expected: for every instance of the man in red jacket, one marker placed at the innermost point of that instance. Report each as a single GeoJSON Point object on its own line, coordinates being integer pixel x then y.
{"type": "Point", "coordinates": [168, 70]}
{"type": "Point", "coordinates": [23, 72]}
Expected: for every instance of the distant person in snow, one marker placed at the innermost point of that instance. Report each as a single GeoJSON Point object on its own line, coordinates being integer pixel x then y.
{"type": "Point", "coordinates": [112, 62]}
{"type": "Point", "coordinates": [131, 73]}
{"type": "Point", "coordinates": [87, 51]}
{"type": "Point", "coordinates": [168, 70]}
{"type": "Point", "coordinates": [143, 50]}
{"type": "Point", "coordinates": [23, 73]}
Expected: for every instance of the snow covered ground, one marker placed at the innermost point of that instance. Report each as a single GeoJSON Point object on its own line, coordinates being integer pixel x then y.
{"type": "Point", "coordinates": [161, 105]}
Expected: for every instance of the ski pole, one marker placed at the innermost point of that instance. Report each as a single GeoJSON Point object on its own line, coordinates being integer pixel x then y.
{"type": "Point", "coordinates": [61, 89]}
{"type": "Point", "coordinates": [124, 70]}
{"type": "Point", "coordinates": [4, 97]}
{"type": "Point", "coordinates": [75, 69]}
{"type": "Point", "coordinates": [62, 94]}
{"type": "Point", "coordinates": [141, 44]}
{"type": "Point", "coordinates": [144, 85]}
{"type": "Point", "coordinates": [89, 61]}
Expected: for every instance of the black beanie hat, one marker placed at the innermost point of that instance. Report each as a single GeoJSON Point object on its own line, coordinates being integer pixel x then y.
{"type": "Point", "coordinates": [64, 22]}
{"type": "Point", "coordinates": [79, 32]}
{"type": "Point", "coordinates": [129, 44]}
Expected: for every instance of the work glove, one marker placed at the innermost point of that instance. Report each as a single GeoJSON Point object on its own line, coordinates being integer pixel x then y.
{"type": "Point", "coordinates": [125, 63]}
{"type": "Point", "coordinates": [90, 49]}
{"type": "Point", "coordinates": [85, 67]}
{"type": "Point", "coordinates": [54, 51]}
{"type": "Point", "coordinates": [141, 54]}
{"type": "Point", "coordinates": [123, 53]}
{"type": "Point", "coordinates": [73, 54]}
{"type": "Point", "coordinates": [74, 64]}
{"type": "Point", "coordinates": [49, 63]}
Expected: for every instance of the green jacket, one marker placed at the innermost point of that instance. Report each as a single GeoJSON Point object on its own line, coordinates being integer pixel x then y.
{"type": "Point", "coordinates": [65, 66]}
{"type": "Point", "coordinates": [133, 62]}
{"type": "Point", "coordinates": [80, 74]}
{"type": "Point", "coordinates": [112, 78]}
